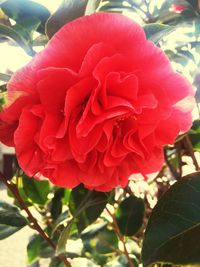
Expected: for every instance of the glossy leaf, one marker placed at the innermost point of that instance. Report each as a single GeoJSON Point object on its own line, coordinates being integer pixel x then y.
{"type": "Point", "coordinates": [27, 27]}
{"type": "Point", "coordinates": [10, 220]}
{"type": "Point", "coordinates": [36, 191]}
{"type": "Point", "coordinates": [3, 90]}
{"type": "Point", "coordinates": [55, 262]}
{"type": "Point", "coordinates": [4, 77]}
{"type": "Point", "coordinates": [194, 3]}
{"type": "Point", "coordinates": [56, 203]}
{"type": "Point", "coordinates": [129, 215]}
{"type": "Point", "coordinates": [23, 9]}
{"type": "Point", "coordinates": [173, 230]}
{"type": "Point", "coordinates": [155, 32]}
{"type": "Point", "coordinates": [61, 246]}
{"type": "Point", "coordinates": [69, 10]}
{"type": "Point", "coordinates": [34, 249]}
{"type": "Point", "coordinates": [22, 193]}
{"type": "Point", "coordinates": [39, 248]}
{"type": "Point", "coordinates": [86, 206]}
{"type": "Point", "coordinates": [112, 6]}
{"type": "Point", "coordinates": [107, 241]}
{"type": "Point", "coordinates": [40, 40]}
{"type": "Point", "coordinates": [61, 218]}
{"type": "Point", "coordinates": [92, 230]}
{"type": "Point", "coordinates": [10, 33]}
{"type": "Point", "coordinates": [195, 135]}
{"type": "Point", "coordinates": [46, 251]}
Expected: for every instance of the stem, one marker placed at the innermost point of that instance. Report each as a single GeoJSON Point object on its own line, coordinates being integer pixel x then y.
{"type": "Point", "coordinates": [120, 236]}
{"type": "Point", "coordinates": [31, 218]}
{"type": "Point", "coordinates": [189, 148]}
{"type": "Point", "coordinates": [179, 155]}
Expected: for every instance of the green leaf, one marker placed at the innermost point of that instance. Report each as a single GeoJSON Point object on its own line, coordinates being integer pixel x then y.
{"type": "Point", "coordinates": [9, 32]}
{"type": "Point", "coordinates": [173, 230]}
{"type": "Point", "coordinates": [115, 6]}
{"type": "Point", "coordinates": [86, 206]}
{"type": "Point", "coordinates": [56, 203]}
{"type": "Point", "coordinates": [40, 40]}
{"type": "Point", "coordinates": [107, 241]}
{"type": "Point", "coordinates": [61, 218]}
{"type": "Point", "coordinates": [39, 248]}
{"type": "Point", "coordinates": [55, 262]}
{"type": "Point", "coordinates": [187, 54]}
{"type": "Point", "coordinates": [68, 11]}
{"type": "Point", "coordinates": [92, 230]}
{"type": "Point", "coordinates": [46, 250]}
{"type": "Point", "coordinates": [36, 191]}
{"type": "Point", "coordinates": [10, 220]}
{"type": "Point", "coordinates": [195, 135]}
{"type": "Point", "coordinates": [129, 215]}
{"type": "Point", "coordinates": [61, 246]}
{"type": "Point", "coordinates": [3, 90]}
{"type": "Point", "coordinates": [4, 77]}
{"type": "Point", "coordinates": [34, 249]}
{"type": "Point", "coordinates": [155, 31]}
{"type": "Point", "coordinates": [193, 3]}
{"type": "Point", "coordinates": [180, 56]}
{"type": "Point", "coordinates": [22, 193]}
{"type": "Point", "coordinates": [26, 27]}
{"type": "Point", "coordinates": [19, 10]}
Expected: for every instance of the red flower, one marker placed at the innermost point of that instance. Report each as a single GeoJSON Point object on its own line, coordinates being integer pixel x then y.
{"type": "Point", "coordinates": [177, 8]}
{"type": "Point", "coordinates": [95, 106]}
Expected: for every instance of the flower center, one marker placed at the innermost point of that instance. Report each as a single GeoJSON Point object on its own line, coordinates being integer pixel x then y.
{"type": "Point", "coordinates": [120, 121]}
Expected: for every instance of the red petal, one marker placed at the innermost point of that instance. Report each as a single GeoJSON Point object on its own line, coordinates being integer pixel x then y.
{"type": "Point", "coordinates": [28, 153]}
{"type": "Point", "coordinates": [65, 175]}
{"type": "Point", "coordinates": [53, 86]}
{"type": "Point", "coordinates": [76, 38]}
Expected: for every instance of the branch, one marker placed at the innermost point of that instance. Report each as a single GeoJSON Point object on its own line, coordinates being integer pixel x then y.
{"type": "Point", "coordinates": [179, 155]}
{"type": "Point", "coordinates": [190, 150]}
{"type": "Point", "coordinates": [34, 223]}
{"type": "Point", "coordinates": [120, 236]}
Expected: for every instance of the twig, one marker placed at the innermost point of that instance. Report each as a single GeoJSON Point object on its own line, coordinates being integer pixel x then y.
{"type": "Point", "coordinates": [179, 155]}
{"type": "Point", "coordinates": [121, 238]}
{"type": "Point", "coordinates": [34, 223]}
{"type": "Point", "coordinates": [189, 148]}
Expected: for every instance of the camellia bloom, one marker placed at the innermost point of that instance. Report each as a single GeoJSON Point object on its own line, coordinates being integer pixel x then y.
{"type": "Point", "coordinates": [95, 106]}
